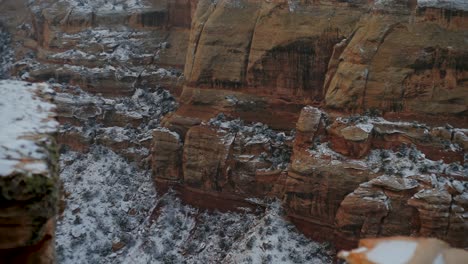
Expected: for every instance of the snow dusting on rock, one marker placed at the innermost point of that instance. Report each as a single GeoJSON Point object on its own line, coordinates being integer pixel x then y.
{"type": "Point", "coordinates": [449, 4]}
{"type": "Point", "coordinates": [6, 53]}
{"type": "Point", "coordinates": [105, 5]}
{"type": "Point", "coordinates": [25, 120]}
{"type": "Point", "coordinates": [113, 215]}
{"type": "Point", "coordinates": [392, 252]}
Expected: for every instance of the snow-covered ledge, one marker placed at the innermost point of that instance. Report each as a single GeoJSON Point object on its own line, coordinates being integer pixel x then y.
{"type": "Point", "coordinates": [448, 4]}
{"type": "Point", "coordinates": [28, 170]}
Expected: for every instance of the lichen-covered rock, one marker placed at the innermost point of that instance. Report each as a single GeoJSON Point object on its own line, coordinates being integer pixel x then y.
{"type": "Point", "coordinates": [28, 169]}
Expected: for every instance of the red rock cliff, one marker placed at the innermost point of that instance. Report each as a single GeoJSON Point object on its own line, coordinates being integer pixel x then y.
{"type": "Point", "coordinates": [347, 177]}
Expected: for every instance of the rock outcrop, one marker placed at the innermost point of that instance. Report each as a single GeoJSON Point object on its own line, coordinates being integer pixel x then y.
{"type": "Point", "coordinates": [328, 193]}
{"type": "Point", "coordinates": [29, 185]}
{"type": "Point", "coordinates": [109, 50]}
{"type": "Point", "coordinates": [397, 63]}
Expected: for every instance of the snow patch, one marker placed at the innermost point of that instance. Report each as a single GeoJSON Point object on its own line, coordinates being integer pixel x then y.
{"type": "Point", "coordinates": [25, 121]}
{"type": "Point", "coordinates": [392, 252]}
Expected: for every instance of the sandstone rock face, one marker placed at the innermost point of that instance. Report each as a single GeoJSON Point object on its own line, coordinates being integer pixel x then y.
{"type": "Point", "coordinates": [382, 185]}
{"type": "Point", "coordinates": [394, 63]}
{"type": "Point", "coordinates": [404, 250]}
{"type": "Point", "coordinates": [350, 176]}
{"type": "Point", "coordinates": [232, 56]}
{"type": "Point", "coordinates": [28, 173]}
{"type": "Point", "coordinates": [166, 155]}
{"type": "Point", "coordinates": [225, 157]}
{"type": "Point", "coordinates": [292, 63]}
{"type": "Point", "coordinates": [205, 158]}
{"type": "Point", "coordinates": [341, 176]}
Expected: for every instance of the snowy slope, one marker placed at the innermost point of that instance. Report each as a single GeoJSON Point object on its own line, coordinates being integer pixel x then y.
{"type": "Point", "coordinates": [111, 203]}
{"type": "Point", "coordinates": [450, 4]}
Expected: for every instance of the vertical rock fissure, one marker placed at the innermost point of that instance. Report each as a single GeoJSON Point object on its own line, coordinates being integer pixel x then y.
{"type": "Point", "coordinates": [381, 41]}
{"type": "Point", "coordinates": [67, 16]}
{"type": "Point", "coordinates": [326, 84]}
{"type": "Point", "coordinates": [382, 220]}
{"type": "Point", "coordinates": [249, 48]}
{"type": "Point", "coordinates": [199, 35]}
{"type": "Point", "coordinates": [449, 215]}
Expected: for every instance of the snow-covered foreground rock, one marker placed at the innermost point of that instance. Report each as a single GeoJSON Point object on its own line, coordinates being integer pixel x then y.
{"type": "Point", "coordinates": [113, 215]}
{"type": "Point", "coordinates": [408, 250]}
{"type": "Point", "coordinates": [29, 185]}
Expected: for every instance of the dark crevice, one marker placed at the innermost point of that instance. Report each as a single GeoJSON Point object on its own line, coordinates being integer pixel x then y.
{"type": "Point", "coordinates": [449, 215]}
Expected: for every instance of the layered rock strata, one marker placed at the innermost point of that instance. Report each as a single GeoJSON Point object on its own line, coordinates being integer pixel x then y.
{"type": "Point", "coordinates": [397, 63]}
{"type": "Point", "coordinates": [341, 176]}
{"type": "Point", "coordinates": [351, 177]}
{"type": "Point", "coordinates": [107, 48]}
{"type": "Point", "coordinates": [344, 56]}
{"type": "Point", "coordinates": [29, 185]}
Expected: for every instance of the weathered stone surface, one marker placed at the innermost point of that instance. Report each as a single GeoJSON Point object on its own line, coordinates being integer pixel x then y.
{"type": "Point", "coordinates": [434, 211]}
{"type": "Point", "coordinates": [262, 61]}
{"type": "Point", "coordinates": [309, 120]}
{"type": "Point", "coordinates": [199, 104]}
{"type": "Point", "coordinates": [397, 62]}
{"type": "Point", "coordinates": [351, 140]}
{"type": "Point", "coordinates": [205, 158]}
{"type": "Point", "coordinates": [166, 155]}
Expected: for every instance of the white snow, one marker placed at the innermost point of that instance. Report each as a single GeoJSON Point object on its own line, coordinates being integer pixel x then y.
{"type": "Point", "coordinates": [366, 127]}
{"type": "Point", "coordinates": [450, 4]}
{"type": "Point", "coordinates": [439, 259]}
{"type": "Point", "coordinates": [392, 252]}
{"type": "Point", "coordinates": [25, 121]}
{"type": "Point", "coordinates": [103, 6]}
{"type": "Point", "coordinates": [279, 151]}
{"type": "Point", "coordinates": [104, 189]}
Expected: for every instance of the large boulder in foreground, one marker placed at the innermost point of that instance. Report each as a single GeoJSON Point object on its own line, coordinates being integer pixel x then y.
{"type": "Point", "coordinates": [404, 250]}
{"type": "Point", "coordinates": [28, 173]}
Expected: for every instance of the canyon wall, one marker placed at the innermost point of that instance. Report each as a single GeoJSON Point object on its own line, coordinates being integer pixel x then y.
{"type": "Point", "coordinates": [375, 93]}
{"type": "Point", "coordinates": [373, 149]}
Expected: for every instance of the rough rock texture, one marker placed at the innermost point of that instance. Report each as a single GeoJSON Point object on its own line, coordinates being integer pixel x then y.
{"type": "Point", "coordinates": [108, 49]}
{"type": "Point", "coordinates": [166, 156]}
{"type": "Point", "coordinates": [402, 60]}
{"type": "Point", "coordinates": [349, 176]}
{"type": "Point", "coordinates": [234, 65]}
{"type": "Point", "coordinates": [328, 190]}
{"type": "Point", "coordinates": [384, 135]}
{"type": "Point", "coordinates": [404, 250]}
{"type": "Point", "coordinates": [29, 187]}
{"type": "Point", "coordinates": [224, 157]}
